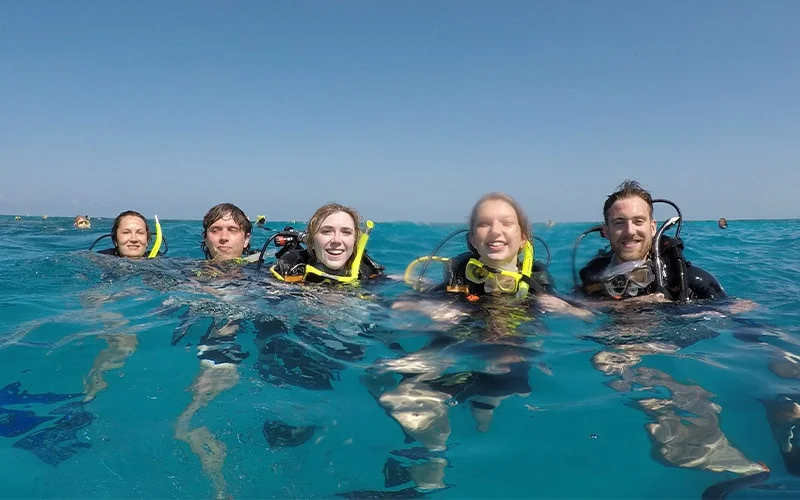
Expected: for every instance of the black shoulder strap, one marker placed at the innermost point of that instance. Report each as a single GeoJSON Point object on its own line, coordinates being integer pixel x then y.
{"type": "Point", "coordinates": [455, 270]}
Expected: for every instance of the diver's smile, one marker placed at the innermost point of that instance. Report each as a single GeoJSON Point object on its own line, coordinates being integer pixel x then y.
{"type": "Point", "coordinates": [632, 243]}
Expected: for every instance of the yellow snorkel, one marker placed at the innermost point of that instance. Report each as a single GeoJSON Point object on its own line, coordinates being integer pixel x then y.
{"type": "Point", "coordinates": [527, 268]}
{"type": "Point", "coordinates": [415, 282]}
{"type": "Point", "coordinates": [157, 244]}
{"type": "Point", "coordinates": [362, 245]}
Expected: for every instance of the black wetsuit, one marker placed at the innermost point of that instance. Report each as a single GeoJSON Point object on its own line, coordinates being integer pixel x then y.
{"type": "Point", "coordinates": [293, 261]}
{"type": "Point", "coordinates": [700, 284]}
{"type": "Point", "coordinates": [220, 349]}
{"type": "Point", "coordinates": [110, 251]}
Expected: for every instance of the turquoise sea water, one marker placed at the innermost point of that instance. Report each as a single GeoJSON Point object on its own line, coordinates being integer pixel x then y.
{"type": "Point", "coordinates": [577, 433]}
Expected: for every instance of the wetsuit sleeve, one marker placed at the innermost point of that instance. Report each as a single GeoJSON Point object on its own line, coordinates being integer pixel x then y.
{"type": "Point", "coordinates": [703, 285]}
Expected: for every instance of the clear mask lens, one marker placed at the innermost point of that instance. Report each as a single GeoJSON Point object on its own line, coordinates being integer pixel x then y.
{"type": "Point", "coordinates": [628, 278]}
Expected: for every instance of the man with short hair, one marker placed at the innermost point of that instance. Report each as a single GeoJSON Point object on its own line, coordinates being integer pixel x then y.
{"type": "Point", "coordinates": [630, 229]}
{"type": "Point", "coordinates": [226, 238]}
{"type": "Point", "coordinates": [629, 272]}
{"type": "Point", "coordinates": [226, 233]}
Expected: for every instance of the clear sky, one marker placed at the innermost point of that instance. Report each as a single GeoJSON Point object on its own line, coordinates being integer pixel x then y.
{"type": "Point", "coordinates": [406, 110]}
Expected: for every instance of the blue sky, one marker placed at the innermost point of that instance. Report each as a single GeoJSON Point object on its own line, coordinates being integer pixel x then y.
{"type": "Point", "coordinates": [405, 110]}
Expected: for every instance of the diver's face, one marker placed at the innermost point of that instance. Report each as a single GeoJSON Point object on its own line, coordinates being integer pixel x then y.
{"type": "Point", "coordinates": [335, 240]}
{"type": "Point", "coordinates": [225, 240]}
{"type": "Point", "coordinates": [630, 229]}
{"type": "Point", "coordinates": [131, 237]}
{"type": "Point", "coordinates": [82, 223]}
{"type": "Point", "coordinates": [497, 234]}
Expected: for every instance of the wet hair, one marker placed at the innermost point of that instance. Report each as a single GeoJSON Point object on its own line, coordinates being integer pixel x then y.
{"type": "Point", "coordinates": [319, 217]}
{"type": "Point", "coordinates": [628, 189]}
{"type": "Point", "coordinates": [216, 213]}
{"type": "Point", "coordinates": [522, 217]}
{"type": "Point", "coordinates": [118, 220]}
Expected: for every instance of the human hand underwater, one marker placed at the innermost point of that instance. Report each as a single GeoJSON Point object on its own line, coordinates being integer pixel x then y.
{"type": "Point", "coordinates": [741, 306]}
{"type": "Point", "coordinates": [551, 303]}
{"type": "Point", "coordinates": [437, 311]}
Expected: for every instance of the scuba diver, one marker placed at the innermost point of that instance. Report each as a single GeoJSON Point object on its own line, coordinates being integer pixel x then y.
{"type": "Point", "coordinates": [500, 260]}
{"type": "Point", "coordinates": [644, 266]}
{"type": "Point", "coordinates": [226, 240]}
{"type": "Point", "coordinates": [130, 235]}
{"type": "Point", "coordinates": [481, 358]}
{"type": "Point", "coordinates": [332, 249]}
{"type": "Point", "coordinates": [642, 260]}
{"type": "Point", "coordinates": [260, 221]}
{"type": "Point", "coordinates": [226, 234]}
{"type": "Point", "coordinates": [309, 353]}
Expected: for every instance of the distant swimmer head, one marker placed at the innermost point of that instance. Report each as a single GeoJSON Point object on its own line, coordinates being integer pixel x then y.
{"type": "Point", "coordinates": [332, 235]}
{"type": "Point", "coordinates": [260, 220]}
{"type": "Point", "coordinates": [627, 279]}
{"type": "Point", "coordinates": [130, 234]}
{"type": "Point", "coordinates": [82, 222]}
{"type": "Point", "coordinates": [723, 223]}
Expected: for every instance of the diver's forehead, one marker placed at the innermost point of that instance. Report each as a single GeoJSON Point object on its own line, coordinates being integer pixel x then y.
{"type": "Point", "coordinates": [496, 209]}
{"type": "Point", "coordinates": [627, 208]}
{"type": "Point", "coordinates": [338, 219]}
{"type": "Point", "coordinates": [226, 221]}
{"type": "Point", "coordinates": [131, 220]}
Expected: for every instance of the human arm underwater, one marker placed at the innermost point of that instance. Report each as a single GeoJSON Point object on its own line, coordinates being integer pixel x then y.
{"type": "Point", "coordinates": [445, 309]}
{"type": "Point", "coordinates": [541, 286]}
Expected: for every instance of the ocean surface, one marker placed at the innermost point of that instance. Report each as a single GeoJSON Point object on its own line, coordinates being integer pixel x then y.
{"type": "Point", "coordinates": [533, 409]}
